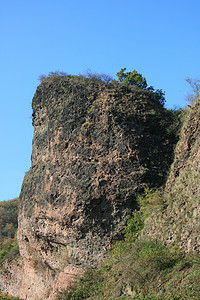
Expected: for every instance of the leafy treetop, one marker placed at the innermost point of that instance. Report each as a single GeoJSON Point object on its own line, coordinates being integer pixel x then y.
{"type": "Point", "coordinates": [132, 78]}
{"type": "Point", "coordinates": [135, 78]}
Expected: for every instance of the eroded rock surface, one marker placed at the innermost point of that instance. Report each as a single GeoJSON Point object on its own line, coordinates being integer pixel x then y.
{"type": "Point", "coordinates": [11, 273]}
{"type": "Point", "coordinates": [179, 222]}
{"type": "Point", "coordinates": [94, 147]}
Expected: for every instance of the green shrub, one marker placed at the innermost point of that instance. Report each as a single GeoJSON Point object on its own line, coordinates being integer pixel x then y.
{"type": "Point", "coordinates": [9, 249]}
{"type": "Point", "coordinates": [148, 269]}
{"type": "Point", "coordinates": [135, 223]}
{"type": "Point", "coordinates": [139, 267]}
{"type": "Point", "coordinates": [90, 284]}
{"type": "Point", "coordinates": [147, 202]}
{"type": "Point", "coordinates": [134, 78]}
{"type": "Point", "coordinates": [145, 269]}
{"type": "Point", "coordinates": [8, 219]}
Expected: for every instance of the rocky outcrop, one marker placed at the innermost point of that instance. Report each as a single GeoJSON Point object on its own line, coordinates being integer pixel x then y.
{"type": "Point", "coordinates": [179, 222]}
{"type": "Point", "coordinates": [11, 273]}
{"type": "Point", "coordinates": [95, 145]}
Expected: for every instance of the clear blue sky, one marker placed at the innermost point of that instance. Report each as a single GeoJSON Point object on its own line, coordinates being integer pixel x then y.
{"type": "Point", "coordinates": [160, 39]}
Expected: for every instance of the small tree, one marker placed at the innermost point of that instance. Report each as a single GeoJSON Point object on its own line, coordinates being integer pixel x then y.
{"type": "Point", "coordinates": [135, 78]}
{"type": "Point", "coordinates": [132, 78]}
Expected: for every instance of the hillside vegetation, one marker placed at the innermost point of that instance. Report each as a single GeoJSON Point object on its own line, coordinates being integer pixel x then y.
{"type": "Point", "coordinates": [8, 227]}
{"type": "Point", "coordinates": [139, 267]}
{"type": "Point", "coordinates": [9, 249]}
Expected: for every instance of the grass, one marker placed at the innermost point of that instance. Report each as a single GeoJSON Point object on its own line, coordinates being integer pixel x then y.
{"type": "Point", "coordinates": [9, 249]}
{"type": "Point", "coordinates": [147, 270]}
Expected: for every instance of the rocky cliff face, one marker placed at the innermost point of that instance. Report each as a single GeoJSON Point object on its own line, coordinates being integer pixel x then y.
{"type": "Point", "coordinates": [179, 222]}
{"type": "Point", "coordinates": [11, 273]}
{"type": "Point", "coordinates": [94, 147]}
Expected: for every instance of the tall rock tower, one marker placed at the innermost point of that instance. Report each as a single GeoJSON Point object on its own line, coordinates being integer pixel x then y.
{"type": "Point", "coordinates": [95, 145]}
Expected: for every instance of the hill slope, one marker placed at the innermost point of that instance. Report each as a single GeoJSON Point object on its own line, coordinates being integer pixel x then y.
{"type": "Point", "coordinates": [180, 221]}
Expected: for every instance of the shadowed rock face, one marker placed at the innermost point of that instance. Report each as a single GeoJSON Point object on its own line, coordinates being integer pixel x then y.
{"type": "Point", "coordinates": [94, 147]}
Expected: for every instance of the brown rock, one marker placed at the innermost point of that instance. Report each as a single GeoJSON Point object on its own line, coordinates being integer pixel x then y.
{"type": "Point", "coordinates": [182, 190]}
{"type": "Point", "coordinates": [95, 145]}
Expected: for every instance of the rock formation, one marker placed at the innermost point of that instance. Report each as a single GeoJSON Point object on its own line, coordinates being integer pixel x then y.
{"type": "Point", "coordinates": [179, 222]}
{"type": "Point", "coordinates": [11, 273]}
{"type": "Point", "coordinates": [95, 145]}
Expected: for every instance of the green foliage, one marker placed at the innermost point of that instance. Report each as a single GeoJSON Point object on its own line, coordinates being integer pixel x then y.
{"type": "Point", "coordinates": [135, 224]}
{"type": "Point", "coordinates": [88, 285]}
{"type": "Point", "coordinates": [134, 78]}
{"type": "Point", "coordinates": [176, 116]}
{"type": "Point", "coordinates": [9, 249]}
{"type": "Point", "coordinates": [149, 201]}
{"type": "Point", "coordinates": [8, 227]}
{"type": "Point", "coordinates": [8, 218]}
{"type": "Point", "coordinates": [149, 269]}
{"type": "Point", "coordinates": [139, 267]}
{"type": "Point", "coordinates": [158, 94]}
